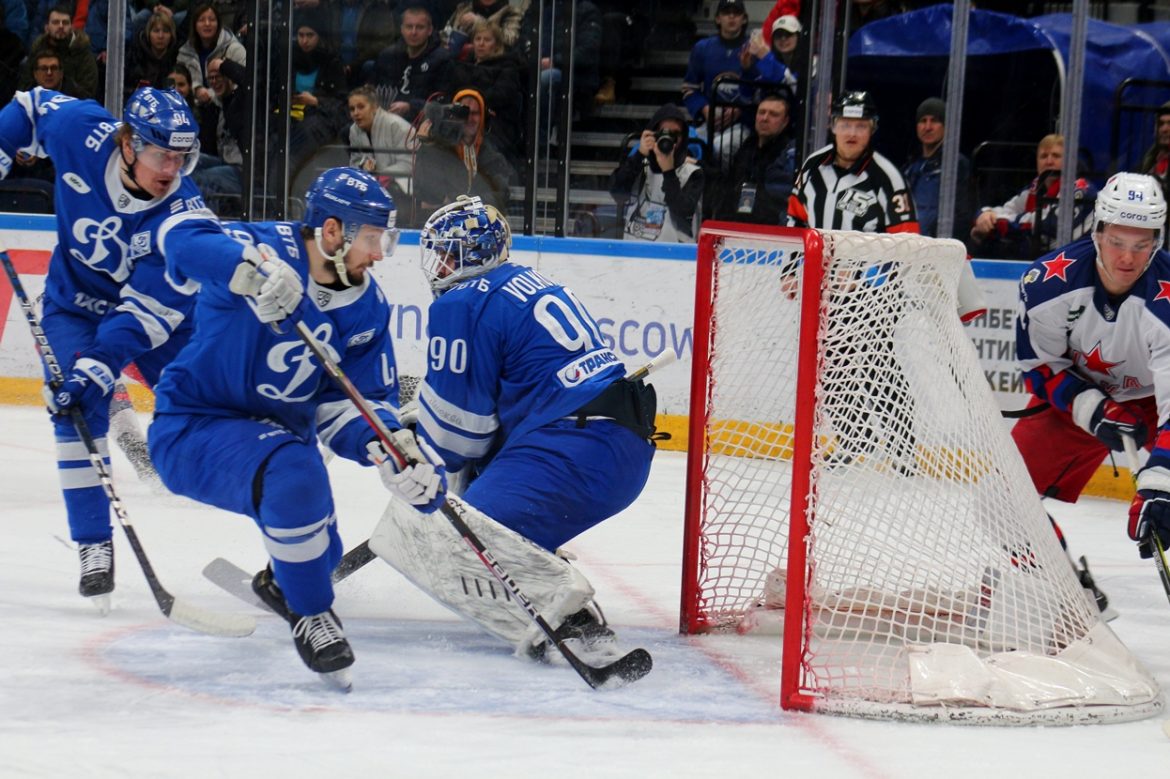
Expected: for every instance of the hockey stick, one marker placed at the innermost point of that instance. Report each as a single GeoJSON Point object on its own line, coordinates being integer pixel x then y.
{"type": "Point", "coordinates": [628, 668]}
{"type": "Point", "coordinates": [1152, 537]}
{"type": "Point", "coordinates": [361, 554]}
{"type": "Point", "coordinates": [179, 611]}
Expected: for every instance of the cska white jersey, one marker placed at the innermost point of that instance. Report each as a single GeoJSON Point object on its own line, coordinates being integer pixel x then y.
{"type": "Point", "coordinates": [108, 263]}
{"type": "Point", "coordinates": [235, 366]}
{"type": "Point", "coordinates": [1072, 335]}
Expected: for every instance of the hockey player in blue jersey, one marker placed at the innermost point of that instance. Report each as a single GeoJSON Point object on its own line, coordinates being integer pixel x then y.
{"type": "Point", "coordinates": [1093, 340]}
{"type": "Point", "coordinates": [522, 390]}
{"type": "Point", "coordinates": [240, 412]}
{"type": "Point", "coordinates": [120, 188]}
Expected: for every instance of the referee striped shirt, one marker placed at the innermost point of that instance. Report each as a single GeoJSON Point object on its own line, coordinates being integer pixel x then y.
{"type": "Point", "coordinates": [870, 196]}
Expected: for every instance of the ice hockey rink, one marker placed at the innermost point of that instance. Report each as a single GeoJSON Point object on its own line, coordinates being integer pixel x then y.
{"type": "Point", "coordinates": [134, 695]}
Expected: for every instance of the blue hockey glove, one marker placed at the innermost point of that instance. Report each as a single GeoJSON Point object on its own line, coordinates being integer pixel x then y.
{"type": "Point", "coordinates": [422, 482]}
{"type": "Point", "coordinates": [1108, 420]}
{"type": "Point", "coordinates": [86, 386]}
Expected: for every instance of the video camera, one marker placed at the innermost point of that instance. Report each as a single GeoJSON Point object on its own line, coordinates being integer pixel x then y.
{"type": "Point", "coordinates": [447, 120]}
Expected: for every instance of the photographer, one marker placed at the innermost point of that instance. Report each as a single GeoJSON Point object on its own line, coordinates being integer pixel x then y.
{"type": "Point", "coordinates": [657, 188]}
{"type": "Point", "coordinates": [455, 158]}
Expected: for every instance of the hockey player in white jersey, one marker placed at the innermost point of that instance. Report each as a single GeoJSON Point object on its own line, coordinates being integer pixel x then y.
{"type": "Point", "coordinates": [240, 412]}
{"type": "Point", "coordinates": [1093, 340]}
{"type": "Point", "coordinates": [523, 393]}
{"type": "Point", "coordinates": [107, 302]}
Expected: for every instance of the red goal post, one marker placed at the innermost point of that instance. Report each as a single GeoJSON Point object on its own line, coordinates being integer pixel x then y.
{"type": "Point", "coordinates": [836, 399]}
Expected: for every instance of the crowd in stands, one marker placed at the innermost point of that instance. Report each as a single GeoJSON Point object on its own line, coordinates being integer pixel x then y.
{"type": "Point", "coordinates": [441, 86]}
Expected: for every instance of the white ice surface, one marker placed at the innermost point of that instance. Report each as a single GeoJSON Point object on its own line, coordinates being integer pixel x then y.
{"type": "Point", "coordinates": [132, 695]}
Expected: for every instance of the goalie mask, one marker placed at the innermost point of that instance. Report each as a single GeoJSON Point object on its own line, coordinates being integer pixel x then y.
{"type": "Point", "coordinates": [463, 240]}
{"type": "Point", "coordinates": [164, 135]}
{"type": "Point", "coordinates": [356, 199]}
{"type": "Point", "coordinates": [1130, 200]}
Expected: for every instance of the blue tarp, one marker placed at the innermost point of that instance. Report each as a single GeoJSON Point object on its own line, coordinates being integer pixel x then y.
{"type": "Point", "coordinates": [1113, 53]}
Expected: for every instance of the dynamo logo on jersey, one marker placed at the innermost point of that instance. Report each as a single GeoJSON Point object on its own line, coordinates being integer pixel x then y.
{"type": "Point", "coordinates": [586, 367]}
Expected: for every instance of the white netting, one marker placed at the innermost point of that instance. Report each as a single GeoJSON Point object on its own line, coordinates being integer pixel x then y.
{"type": "Point", "coordinates": [926, 531]}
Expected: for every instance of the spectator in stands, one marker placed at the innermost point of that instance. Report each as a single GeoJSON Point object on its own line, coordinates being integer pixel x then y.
{"type": "Point", "coordinates": [318, 110]}
{"type": "Point", "coordinates": [923, 171]}
{"type": "Point", "coordinates": [495, 74]}
{"type": "Point", "coordinates": [781, 8]}
{"type": "Point", "coordinates": [719, 55]}
{"type": "Point", "coordinates": [152, 56]}
{"type": "Point", "coordinates": [586, 62]}
{"type": "Point", "coordinates": [658, 190]}
{"type": "Point", "coordinates": [773, 62]}
{"type": "Point", "coordinates": [179, 79]}
{"type": "Point", "coordinates": [71, 47]}
{"type": "Point", "coordinates": [219, 177]}
{"type": "Point", "coordinates": [11, 52]}
{"type": "Point", "coordinates": [176, 9]}
{"type": "Point", "coordinates": [48, 73]}
{"type": "Point", "coordinates": [378, 142]}
{"type": "Point", "coordinates": [757, 187]}
{"type": "Point", "coordinates": [416, 66]}
{"type": "Point", "coordinates": [457, 158]}
{"type": "Point", "coordinates": [777, 61]}
{"type": "Point", "coordinates": [458, 33]}
{"type": "Point", "coordinates": [1010, 231]}
{"type": "Point", "coordinates": [206, 41]}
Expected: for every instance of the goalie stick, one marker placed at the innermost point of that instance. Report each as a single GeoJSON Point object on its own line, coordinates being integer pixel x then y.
{"type": "Point", "coordinates": [1152, 537]}
{"type": "Point", "coordinates": [178, 611]}
{"type": "Point", "coordinates": [628, 668]}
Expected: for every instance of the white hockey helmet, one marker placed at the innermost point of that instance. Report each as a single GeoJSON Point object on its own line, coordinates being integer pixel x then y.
{"type": "Point", "coordinates": [462, 240]}
{"type": "Point", "coordinates": [1131, 200]}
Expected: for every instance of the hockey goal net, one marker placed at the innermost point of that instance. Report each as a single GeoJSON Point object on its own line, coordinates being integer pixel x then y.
{"type": "Point", "coordinates": [837, 401]}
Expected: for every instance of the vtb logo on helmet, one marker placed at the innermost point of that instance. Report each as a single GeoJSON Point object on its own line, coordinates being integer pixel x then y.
{"type": "Point", "coordinates": [463, 240]}
{"type": "Point", "coordinates": [161, 118]}
{"type": "Point", "coordinates": [356, 199]}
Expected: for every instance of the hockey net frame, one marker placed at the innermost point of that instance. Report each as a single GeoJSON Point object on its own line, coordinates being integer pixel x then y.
{"type": "Point", "coordinates": [984, 623]}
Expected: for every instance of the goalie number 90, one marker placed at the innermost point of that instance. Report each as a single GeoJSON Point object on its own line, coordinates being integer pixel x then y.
{"type": "Point", "coordinates": [453, 358]}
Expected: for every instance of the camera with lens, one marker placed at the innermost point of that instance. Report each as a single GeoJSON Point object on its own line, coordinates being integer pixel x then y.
{"type": "Point", "coordinates": [665, 141]}
{"type": "Point", "coordinates": [447, 120]}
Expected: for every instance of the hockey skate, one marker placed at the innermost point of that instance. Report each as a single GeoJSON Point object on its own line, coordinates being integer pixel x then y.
{"type": "Point", "coordinates": [1094, 593]}
{"type": "Point", "coordinates": [587, 634]}
{"type": "Point", "coordinates": [97, 573]}
{"type": "Point", "coordinates": [319, 638]}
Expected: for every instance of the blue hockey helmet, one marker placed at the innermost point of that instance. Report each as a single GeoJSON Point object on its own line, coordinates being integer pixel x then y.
{"type": "Point", "coordinates": [356, 199]}
{"type": "Point", "coordinates": [162, 118]}
{"type": "Point", "coordinates": [462, 240]}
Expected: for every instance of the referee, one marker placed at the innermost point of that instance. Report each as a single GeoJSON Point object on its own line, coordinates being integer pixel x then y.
{"type": "Point", "coordinates": [849, 186]}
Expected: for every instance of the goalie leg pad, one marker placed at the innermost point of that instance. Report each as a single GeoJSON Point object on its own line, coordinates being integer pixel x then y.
{"type": "Point", "coordinates": [428, 552]}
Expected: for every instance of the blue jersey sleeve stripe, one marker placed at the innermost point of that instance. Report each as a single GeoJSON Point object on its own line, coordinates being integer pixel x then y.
{"type": "Point", "coordinates": [455, 416]}
{"type": "Point", "coordinates": [460, 444]}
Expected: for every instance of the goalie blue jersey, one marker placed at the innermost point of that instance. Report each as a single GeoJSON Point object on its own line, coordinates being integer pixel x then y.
{"type": "Point", "coordinates": [509, 351]}
{"type": "Point", "coordinates": [235, 366]}
{"type": "Point", "coordinates": [108, 263]}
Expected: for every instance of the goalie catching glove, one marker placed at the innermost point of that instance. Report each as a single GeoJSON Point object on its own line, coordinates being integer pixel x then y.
{"type": "Point", "coordinates": [89, 383]}
{"type": "Point", "coordinates": [1108, 420]}
{"type": "Point", "coordinates": [1150, 510]}
{"type": "Point", "coordinates": [422, 481]}
{"type": "Point", "coordinates": [273, 287]}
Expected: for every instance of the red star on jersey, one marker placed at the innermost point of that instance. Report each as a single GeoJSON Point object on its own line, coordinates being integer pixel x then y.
{"type": "Point", "coordinates": [1056, 267]}
{"type": "Point", "coordinates": [1163, 291]}
{"type": "Point", "coordinates": [1097, 364]}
